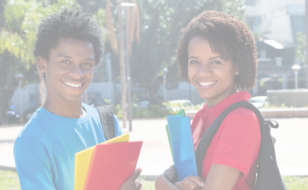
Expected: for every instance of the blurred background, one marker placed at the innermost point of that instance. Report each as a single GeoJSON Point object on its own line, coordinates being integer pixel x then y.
{"type": "Point", "coordinates": [150, 31]}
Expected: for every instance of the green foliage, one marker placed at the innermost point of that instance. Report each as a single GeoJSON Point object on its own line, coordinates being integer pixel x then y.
{"type": "Point", "coordinates": [300, 51]}
{"type": "Point", "coordinates": [296, 183]}
{"type": "Point", "coordinates": [161, 23]}
{"type": "Point", "coordinates": [21, 21]}
{"type": "Point", "coordinates": [269, 106]}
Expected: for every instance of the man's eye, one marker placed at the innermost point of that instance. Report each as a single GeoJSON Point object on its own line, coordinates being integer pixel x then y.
{"type": "Point", "coordinates": [65, 62]}
{"type": "Point", "coordinates": [87, 64]}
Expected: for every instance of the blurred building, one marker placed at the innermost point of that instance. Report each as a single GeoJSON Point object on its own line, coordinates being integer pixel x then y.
{"type": "Point", "coordinates": [275, 24]}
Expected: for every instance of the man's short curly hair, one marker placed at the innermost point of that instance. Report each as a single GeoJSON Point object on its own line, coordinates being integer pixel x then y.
{"type": "Point", "coordinates": [228, 37]}
{"type": "Point", "coordinates": [68, 23]}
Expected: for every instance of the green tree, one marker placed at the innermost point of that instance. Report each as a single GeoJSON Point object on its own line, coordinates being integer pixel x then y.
{"type": "Point", "coordinates": [20, 19]}
{"type": "Point", "coordinates": [18, 26]}
{"type": "Point", "coordinates": [300, 51]}
{"type": "Point", "coordinates": [161, 23]}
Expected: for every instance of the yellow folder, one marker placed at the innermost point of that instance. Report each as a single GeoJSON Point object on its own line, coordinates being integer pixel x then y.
{"type": "Point", "coordinates": [83, 161]}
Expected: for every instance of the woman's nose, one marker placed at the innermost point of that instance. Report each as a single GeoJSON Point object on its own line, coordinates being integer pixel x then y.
{"type": "Point", "coordinates": [204, 69]}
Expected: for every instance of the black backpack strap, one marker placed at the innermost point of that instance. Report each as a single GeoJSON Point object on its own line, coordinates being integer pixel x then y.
{"type": "Point", "coordinates": [107, 121]}
{"type": "Point", "coordinates": [212, 130]}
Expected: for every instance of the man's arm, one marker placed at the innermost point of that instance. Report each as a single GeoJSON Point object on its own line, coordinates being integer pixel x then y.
{"type": "Point", "coordinates": [32, 164]}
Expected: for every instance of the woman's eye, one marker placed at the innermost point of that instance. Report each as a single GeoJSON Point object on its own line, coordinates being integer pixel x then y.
{"type": "Point", "coordinates": [193, 62]}
{"type": "Point", "coordinates": [216, 62]}
{"type": "Point", "coordinates": [65, 62]}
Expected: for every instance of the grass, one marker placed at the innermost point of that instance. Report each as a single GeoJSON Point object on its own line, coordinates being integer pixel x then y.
{"type": "Point", "coordinates": [9, 181]}
{"type": "Point", "coordinates": [296, 183]}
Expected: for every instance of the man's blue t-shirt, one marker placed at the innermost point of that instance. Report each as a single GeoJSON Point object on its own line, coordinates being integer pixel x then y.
{"type": "Point", "coordinates": [45, 149]}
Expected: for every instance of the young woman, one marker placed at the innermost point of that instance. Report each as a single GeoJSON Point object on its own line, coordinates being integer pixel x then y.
{"type": "Point", "coordinates": [217, 55]}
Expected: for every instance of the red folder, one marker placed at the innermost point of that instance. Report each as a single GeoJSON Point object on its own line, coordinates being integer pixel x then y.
{"type": "Point", "coordinates": [112, 164]}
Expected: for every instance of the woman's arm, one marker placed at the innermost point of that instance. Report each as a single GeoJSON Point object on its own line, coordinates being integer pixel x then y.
{"type": "Point", "coordinates": [221, 177]}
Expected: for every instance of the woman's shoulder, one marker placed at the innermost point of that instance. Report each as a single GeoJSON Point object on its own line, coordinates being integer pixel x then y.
{"type": "Point", "coordinates": [242, 118]}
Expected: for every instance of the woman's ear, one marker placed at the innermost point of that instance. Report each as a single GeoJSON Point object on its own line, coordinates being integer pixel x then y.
{"type": "Point", "coordinates": [41, 64]}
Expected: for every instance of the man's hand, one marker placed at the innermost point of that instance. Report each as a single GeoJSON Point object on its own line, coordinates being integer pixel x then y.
{"type": "Point", "coordinates": [132, 183]}
{"type": "Point", "coordinates": [191, 183]}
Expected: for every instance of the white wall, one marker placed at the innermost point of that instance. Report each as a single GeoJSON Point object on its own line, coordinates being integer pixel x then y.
{"type": "Point", "coordinates": [264, 8]}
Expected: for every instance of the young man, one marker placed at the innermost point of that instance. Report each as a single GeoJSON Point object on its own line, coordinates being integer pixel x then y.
{"type": "Point", "coordinates": [69, 44]}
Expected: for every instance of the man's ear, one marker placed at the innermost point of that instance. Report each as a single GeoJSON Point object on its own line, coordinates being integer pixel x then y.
{"type": "Point", "coordinates": [41, 64]}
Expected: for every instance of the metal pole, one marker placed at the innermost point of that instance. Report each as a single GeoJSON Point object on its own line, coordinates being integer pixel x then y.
{"type": "Point", "coordinates": [296, 80]}
{"type": "Point", "coordinates": [190, 92]}
{"type": "Point", "coordinates": [129, 113]}
{"type": "Point", "coordinates": [306, 24]}
{"type": "Point", "coordinates": [20, 104]}
{"type": "Point", "coordinates": [165, 94]}
{"type": "Point", "coordinates": [122, 64]}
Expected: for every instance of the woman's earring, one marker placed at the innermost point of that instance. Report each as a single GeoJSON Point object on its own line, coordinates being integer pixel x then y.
{"type": "Point", "coordinates": [237, 73]}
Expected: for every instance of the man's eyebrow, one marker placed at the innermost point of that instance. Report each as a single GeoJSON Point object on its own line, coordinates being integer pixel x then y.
{"type": "Point", "coordinates": [61, 55]}
{"type": "Point", "coordinates": [90, 59]}
{"type": "Point", "coordinates": [67, 56]}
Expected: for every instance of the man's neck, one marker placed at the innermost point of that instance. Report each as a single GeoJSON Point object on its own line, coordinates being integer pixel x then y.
{"type": "Point", "coordinates": [64, 108]}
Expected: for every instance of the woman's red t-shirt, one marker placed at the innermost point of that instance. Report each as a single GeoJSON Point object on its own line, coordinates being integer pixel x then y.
{"type": "Point", "coordinates": [237, 142]}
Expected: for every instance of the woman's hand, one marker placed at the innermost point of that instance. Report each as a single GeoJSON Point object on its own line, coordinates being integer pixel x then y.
{"type": "Point", "coordinates": [165, 180]}
{"type": "Point", "coordinates": [132, 183]}
{"type": "Point", "coordinates": [170, 174]}
{"type": "Point", "coordinates": [191, 183]}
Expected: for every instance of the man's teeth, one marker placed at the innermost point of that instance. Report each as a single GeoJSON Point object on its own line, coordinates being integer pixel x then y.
{"type": "Point", "coordinates": [206, 83]}
{"type": "Point", "coordinates": [73, 85]}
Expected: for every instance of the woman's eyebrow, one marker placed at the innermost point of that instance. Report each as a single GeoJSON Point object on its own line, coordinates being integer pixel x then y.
{"type": "Point", "coordinates": [192, 57]}
{"type": "Point", "coordinates": [215, 57]}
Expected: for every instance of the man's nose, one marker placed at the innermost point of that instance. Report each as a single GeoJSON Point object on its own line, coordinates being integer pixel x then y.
{"type": "Point", "coordinates": [77, 72]}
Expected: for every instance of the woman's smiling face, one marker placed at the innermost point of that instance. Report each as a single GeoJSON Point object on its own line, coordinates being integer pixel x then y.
{"type": "Point", "coordinates": [212, 76]}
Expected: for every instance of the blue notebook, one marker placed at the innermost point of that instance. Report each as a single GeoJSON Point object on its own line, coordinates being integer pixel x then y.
{"type": "Point", "coordinates": [182, 146]}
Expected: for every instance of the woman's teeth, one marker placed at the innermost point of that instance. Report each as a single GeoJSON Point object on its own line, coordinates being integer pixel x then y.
{"type": "Point", "coordinates": [73, 85]}
{"type": "Point", "coordinates": [206, 83]}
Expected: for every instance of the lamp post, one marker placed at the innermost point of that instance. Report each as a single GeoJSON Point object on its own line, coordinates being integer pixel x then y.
{"type": "Point", "coordinates": [164, 81]}
{"type": "Point", "coordinates": [20, 78]}
{"type": "Point", "coordinates": [306, 56]}
{"type": "Point", "coordinates": [295, 69]}
{"type": "Point", "coordinates": [128, 79]}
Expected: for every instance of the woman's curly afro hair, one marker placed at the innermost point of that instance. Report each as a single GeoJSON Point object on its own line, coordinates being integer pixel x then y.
{"type": "Point", "coordinates": [68, 23]}
{"type": "Point", "coordinates": [228, 37]}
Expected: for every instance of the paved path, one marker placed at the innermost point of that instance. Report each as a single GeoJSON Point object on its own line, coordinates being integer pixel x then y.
{"type": "Point", "coordinates": [291, 146]}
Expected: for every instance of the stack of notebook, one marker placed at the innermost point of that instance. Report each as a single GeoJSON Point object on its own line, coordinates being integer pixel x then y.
{"type": "Point", "coordinates": [106, 165]}
{"type": "Point", "coordinates": [181, 145]}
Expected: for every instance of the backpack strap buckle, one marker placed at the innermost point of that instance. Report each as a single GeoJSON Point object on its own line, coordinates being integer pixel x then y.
{"type": "Point", "coordinates": [273, 124]}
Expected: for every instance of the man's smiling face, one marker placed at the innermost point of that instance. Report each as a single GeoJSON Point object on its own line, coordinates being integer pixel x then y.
{"type": "Point", "coordinates": [69, 69]}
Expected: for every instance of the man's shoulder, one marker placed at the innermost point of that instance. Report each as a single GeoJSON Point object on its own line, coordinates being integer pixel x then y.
{"type": "Point", "coordinates": [32, 128]}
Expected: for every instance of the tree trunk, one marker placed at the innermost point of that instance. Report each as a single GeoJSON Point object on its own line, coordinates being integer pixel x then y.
{"type": "Point", "coordinates": [122, 64]}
